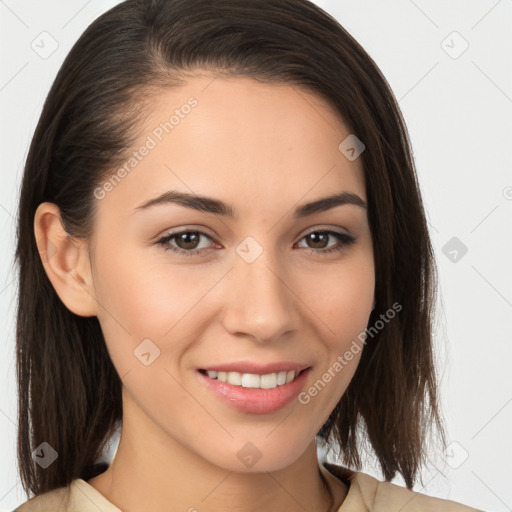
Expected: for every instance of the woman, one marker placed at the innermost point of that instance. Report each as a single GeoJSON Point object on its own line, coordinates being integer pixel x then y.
{"type": "Point", "coordinates": [223, 252]}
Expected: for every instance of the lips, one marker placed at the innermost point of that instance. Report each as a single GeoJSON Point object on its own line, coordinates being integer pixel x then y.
{"type": "Point", "coordinates": [253, 399]}
{"type": "Point", "coordinates": [257, 368]}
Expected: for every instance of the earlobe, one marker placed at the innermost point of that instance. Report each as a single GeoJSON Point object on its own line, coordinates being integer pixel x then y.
{"type": "Point", "coordinates": [65, 261]}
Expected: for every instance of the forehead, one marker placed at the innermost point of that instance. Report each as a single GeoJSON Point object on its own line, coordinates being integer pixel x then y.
{"type": "Point", "coordinates": [265, 145]}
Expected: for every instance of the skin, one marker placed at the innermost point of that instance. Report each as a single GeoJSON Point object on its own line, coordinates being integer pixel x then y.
{"type": "Point", "coordinates": [270, 148]}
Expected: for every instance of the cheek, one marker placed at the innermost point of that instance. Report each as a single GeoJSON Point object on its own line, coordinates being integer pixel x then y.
{"type": "Point", "coordinates": [145, 298]}
{"type": "Point", "coordinates": [341, 300]}
{"type": "Point", "coordinates": [137, 292]}
{"type": "Point", "coordinates": [341, 296]}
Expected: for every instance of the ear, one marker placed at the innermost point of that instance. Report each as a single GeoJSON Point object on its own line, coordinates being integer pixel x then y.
{"type": "Point", "coordinates": [65, 261]}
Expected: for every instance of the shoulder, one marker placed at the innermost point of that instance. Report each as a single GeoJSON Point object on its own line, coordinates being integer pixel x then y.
{"type": "Point", "coordinates": [372, 495]}
{"type": "Point", "coordinates": [57, 499]}
{"type": "Point", "coordinates": [78, 496]}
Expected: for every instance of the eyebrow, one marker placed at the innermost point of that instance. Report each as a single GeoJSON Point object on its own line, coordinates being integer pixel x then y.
{"type": "Point", "coordinates": [217, 207]}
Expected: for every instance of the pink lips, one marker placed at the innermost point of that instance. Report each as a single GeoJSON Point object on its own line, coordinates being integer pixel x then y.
{"type": "Point", "coordinates": [259, 369]}
{"type": "Point", "coordinates": [255, 400]}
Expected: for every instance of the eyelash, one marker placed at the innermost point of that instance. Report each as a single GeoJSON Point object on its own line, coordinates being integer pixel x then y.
{"type": "Point", "coordinates": [346, 240]}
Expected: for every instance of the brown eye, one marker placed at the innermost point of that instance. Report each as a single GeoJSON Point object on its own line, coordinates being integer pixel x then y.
{"type": "Point", "coordinates": [186, 242]}
{"type": "Point", "coordinates": [318, 240]}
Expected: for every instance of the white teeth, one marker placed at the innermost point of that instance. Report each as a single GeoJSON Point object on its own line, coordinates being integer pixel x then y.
{"type": "Point", "coordinates": [234, 378]}
{"type": "Point", "coordinates": [252, 380]}
{"type": "Point", "coordinates": [268, 381]}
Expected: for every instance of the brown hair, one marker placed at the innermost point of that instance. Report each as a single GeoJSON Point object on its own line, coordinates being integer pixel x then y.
{"type": "Point", "coordinates": [69, 393]}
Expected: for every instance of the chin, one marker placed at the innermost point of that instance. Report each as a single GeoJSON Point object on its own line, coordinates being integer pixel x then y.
{"type": "Point", "coordinates": [261, 455]}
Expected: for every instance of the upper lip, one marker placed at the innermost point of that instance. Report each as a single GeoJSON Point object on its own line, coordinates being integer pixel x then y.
{"type": "Point", "coordinates": [257, 368]}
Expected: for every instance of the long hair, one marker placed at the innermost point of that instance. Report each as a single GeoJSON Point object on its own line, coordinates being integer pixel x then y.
{"type": "Point", "coordinates": [69, 393]}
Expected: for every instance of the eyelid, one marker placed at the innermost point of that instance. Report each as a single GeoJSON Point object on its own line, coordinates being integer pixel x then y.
{"type": "Point", "coordinates": [203, 230]}
{"type": "Point", "coordinates": [327, 228]}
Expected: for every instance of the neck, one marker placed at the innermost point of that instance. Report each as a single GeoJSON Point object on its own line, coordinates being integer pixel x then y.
{"type": "Point", "coordinates": [152, 470]}
{"type": "Point", "coordinates": [140, 479]}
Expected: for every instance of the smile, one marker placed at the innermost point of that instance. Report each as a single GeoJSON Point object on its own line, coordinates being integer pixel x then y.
{"type": "Point", "coordinates": [252, 392]}
{"type": "Point", "coordinates": [253, 380]}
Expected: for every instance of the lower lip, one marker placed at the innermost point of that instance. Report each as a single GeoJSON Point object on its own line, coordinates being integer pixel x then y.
{"type": "Point", "coordinates": [256, 400]}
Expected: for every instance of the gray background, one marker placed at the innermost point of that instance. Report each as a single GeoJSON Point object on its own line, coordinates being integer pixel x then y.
{"type": "Point", "coordinates": [457, 104]}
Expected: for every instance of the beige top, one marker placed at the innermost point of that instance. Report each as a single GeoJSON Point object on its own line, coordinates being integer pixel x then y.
{"type": "Point", "coordinates": [366, 494]}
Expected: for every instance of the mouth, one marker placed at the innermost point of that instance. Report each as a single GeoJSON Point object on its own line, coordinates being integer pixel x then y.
{"type": "Point", "coordinates": [255, 393]}
{"type": "Point", "coordinates": [254, 380]}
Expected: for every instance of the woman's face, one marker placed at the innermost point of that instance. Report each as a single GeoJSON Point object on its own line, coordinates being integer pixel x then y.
{"type": "Point", "coordinates": [254, 287]}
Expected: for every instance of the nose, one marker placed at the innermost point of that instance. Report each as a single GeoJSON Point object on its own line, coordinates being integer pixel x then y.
{"type": "Point", "coordinates": [259, 299]}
